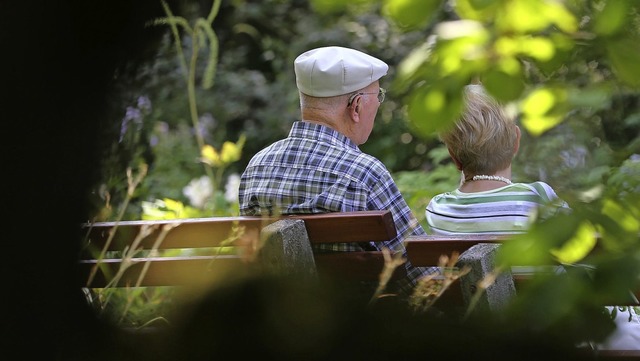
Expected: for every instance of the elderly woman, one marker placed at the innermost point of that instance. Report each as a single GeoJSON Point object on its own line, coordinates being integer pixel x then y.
{"type": "Point", "coordinates": [482, 144]}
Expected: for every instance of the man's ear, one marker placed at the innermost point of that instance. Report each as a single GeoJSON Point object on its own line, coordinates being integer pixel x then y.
{"type": "Point", "coordinates": [354, 109]}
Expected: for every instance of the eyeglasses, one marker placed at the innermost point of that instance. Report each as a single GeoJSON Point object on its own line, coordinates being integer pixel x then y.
{"type": "Point", "coordinates": [381, 93]}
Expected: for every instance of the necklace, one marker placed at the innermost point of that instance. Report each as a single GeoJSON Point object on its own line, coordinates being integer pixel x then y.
{"type": "Point", "coordinates": [491, 177]}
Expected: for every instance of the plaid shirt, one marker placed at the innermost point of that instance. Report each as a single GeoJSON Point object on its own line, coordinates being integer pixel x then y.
{"type": "Point", "coordinates": [318, 170]}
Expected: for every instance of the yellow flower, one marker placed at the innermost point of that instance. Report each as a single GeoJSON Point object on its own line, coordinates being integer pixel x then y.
{"type": "Point", "coordinates": [229, 153]}
{"type": "Point", "coordinates": [211, 156]}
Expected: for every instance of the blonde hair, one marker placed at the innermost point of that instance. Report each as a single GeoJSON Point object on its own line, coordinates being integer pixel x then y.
{"type": "Point", "coordinates": [484, 138]}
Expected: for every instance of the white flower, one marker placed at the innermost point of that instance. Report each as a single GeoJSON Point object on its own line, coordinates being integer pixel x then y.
{"type": "Point", "coordinates": [198, 191]}
{"type": "Point", "coordinates": [231, 188]}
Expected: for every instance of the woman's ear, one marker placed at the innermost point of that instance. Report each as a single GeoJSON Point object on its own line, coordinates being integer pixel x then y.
{"type": "Point", "coordinates": [517, 145]}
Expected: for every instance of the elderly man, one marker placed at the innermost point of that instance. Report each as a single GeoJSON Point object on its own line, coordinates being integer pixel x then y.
{"type": "Point", "coordinates": [319, 168]}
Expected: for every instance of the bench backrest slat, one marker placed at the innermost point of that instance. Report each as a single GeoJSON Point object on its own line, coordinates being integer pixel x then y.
{"type": "Point", "coordinates": [336, 227]}
{"type": "Point", "coordinates": [187, 233]}
{"type": "Point", "coordinates": [426, 250]}
{"type": "Point", "coordinates": [161, 271]}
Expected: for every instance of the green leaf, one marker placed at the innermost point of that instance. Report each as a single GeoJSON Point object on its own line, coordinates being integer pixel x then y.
{"type": "Point", "coordinates": [537, 47]}
{"type": "Point", "coordinates": [612, 18]}
{"type": "Point", "coordinates": [412, 68]}
{"type": "Point", "coordinates": [411, 14]}
{"type": "Point", "coordinates": [503, 86]}
{"type": "Point", "coordinates": [626, 227]}
{"type": "Point", "coordinates": [539, 124]}
{"type": "Point", "coordinates": [526, 16]}
{"type": "Point", "coordinates": [624, 54]}
{"type": "Point", "coordinates": [459, 54]}
{"type": "Point", "coordinates": [432, 108]}
{"type": "Point", "coordinates": [579, 246]}
{"type": "Point", "coordinates": [481, 10]}
{"type": "Point", "coordinates": [562, 45]}
{"type": "Point", "coordinates": [543, 109]}
{"type": "Point", "coordinates": [561, 17]}
{"type": "Point", "coordinates": [533, 248]}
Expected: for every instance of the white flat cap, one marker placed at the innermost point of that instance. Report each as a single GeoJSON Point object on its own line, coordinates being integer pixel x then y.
{"type": "Point", "coordinates": [333, 70]}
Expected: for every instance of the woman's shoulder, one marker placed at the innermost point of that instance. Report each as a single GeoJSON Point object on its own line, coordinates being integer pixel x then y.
{"type": "Point", "coordinates": [539, 187]}
{"type": "Point", "coordinates": [440, 199]}
{"type": "Point", "coordinates": [545, 193]}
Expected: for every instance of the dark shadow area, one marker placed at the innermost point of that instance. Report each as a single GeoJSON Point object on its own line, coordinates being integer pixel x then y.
{"type": "Point", "coordinates": [58, 61]}
{"type": "Point", "coordinates": [281, 319]}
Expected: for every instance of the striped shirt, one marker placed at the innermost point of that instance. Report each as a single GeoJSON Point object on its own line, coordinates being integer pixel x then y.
{"type": "Point", "coordinates": [505, 210]}
{"type": "Point", "coordinates": [317, 169]}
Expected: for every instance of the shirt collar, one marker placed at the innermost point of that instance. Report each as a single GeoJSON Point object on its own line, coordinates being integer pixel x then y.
{"type": "Point", "coordinates": [319, 132]}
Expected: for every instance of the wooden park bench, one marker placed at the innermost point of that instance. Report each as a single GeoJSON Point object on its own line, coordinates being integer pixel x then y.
{"type": "Point", "coordinates": [193, 252]}
{"type": "Point", "coordinates": [211, 248]}
{"type": "Point", "coordinates": [281, 245]}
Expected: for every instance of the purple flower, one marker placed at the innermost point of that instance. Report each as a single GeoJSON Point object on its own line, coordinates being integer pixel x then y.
{"type": "Point", "coordinates": [144, 103]}
{"type": "Point", "coordinates": [132, 114]}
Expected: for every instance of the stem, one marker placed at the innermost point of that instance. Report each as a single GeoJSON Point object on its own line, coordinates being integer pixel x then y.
{"type": "Point", "coordinates": [193, 109]}
{"type": "Point", "coordinates": [173, 20]}
{"type": "Point", "coordinates": [215, 7]}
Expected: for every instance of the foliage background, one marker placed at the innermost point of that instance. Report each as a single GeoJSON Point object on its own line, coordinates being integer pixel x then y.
{"type": "Point", "coordinates": [569, 73]}
{"type": "Point", "coordinates": [254, 94]}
